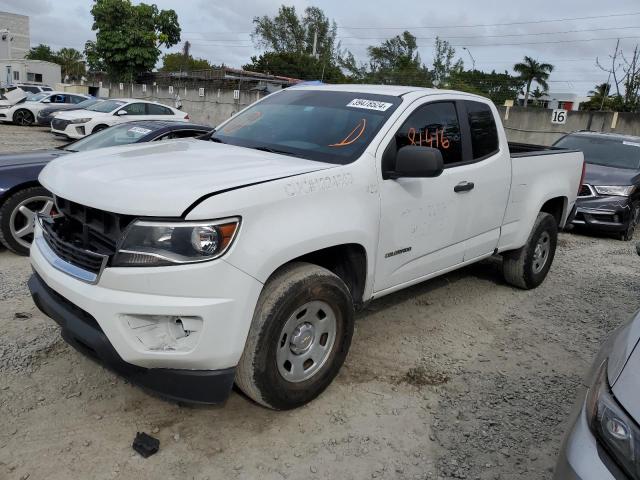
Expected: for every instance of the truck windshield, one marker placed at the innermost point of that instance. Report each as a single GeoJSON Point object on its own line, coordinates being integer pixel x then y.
{"type": "Point", "coordinates": [333, 127]}
{"type": "Point", "coordinates": [604, 151]}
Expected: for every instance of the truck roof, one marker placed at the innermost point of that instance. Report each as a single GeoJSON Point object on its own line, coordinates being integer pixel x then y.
{"type": "Point", "coordinates": [394, 90]}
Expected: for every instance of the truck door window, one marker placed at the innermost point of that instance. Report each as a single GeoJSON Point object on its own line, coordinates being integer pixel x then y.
{"type": "Point", "coordinates": [484, 134]}
{"type": "Point", "coordinates": [433, 125]}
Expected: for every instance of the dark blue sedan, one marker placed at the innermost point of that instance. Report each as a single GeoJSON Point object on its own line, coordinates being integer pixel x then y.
{"type": "Point", "coordinates": [22, 196]}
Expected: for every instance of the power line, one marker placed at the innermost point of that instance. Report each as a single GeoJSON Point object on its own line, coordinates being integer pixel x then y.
{"type": "Point", "coordinates": [518, 43]}
{"type": "Point", "coordinates": [444, 37]}
{"type": "Point", "coordinates": [495, 24]}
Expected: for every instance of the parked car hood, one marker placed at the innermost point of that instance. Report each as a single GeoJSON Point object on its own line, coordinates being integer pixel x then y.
{"type": "Point", "coordinates": [25, 158]}
{"type": "Point", "coordinates": [602, 175]}
{"type": "Point", "coordinates": [73, 114]}
{"type": "Point", "coordinates": [13, 97]}
{"type": "Point", "coordinates": [61, 107]}
{"type": "Point", "coordinates": [165, 178]}
{"type": "Point", "coordinates": [627, 385]}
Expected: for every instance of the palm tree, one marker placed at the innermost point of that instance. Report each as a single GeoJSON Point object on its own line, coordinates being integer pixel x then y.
{"type": "Point", "coordinates": [71, 63]}
{"type": "Point", "coordinates": [599, 95]}
{"type": "Point", "coordinates": [531, 70]}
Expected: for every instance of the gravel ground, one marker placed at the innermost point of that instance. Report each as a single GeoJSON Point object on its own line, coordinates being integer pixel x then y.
{"type": "Point", "coordinates": [458, 377]}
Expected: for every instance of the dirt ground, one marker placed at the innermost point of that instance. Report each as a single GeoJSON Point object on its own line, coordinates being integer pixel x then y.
{"type": "Point", "coordinates": [459, 377]}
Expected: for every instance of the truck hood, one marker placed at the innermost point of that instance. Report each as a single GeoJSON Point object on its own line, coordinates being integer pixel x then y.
{"type": "Point", "coordinates": [165, 178]}
{"type": "Point", "coordinates": [603, 175]}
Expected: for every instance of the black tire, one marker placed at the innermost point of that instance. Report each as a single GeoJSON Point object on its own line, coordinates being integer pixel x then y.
{"type": "Point", "coordinates": [627, 235]}
{"type": "Point", "coordinates": [97, 128]}
{"type": "Point", "coordinates": [292, 287]}
{"type": "Point", "coordinates": [9, 212]}
{"type": "Point", "coordinates": [23, 117]}
{"type": "Point", "coordinates": [522, 268]}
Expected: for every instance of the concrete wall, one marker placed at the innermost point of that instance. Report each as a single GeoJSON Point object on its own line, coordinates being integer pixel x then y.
{"type": "Point", "coordinates": [211, 109]}
{"type": "Point", "coordinates": [533, 125]}
{"type": "Point", "coordinates": [18, 27]}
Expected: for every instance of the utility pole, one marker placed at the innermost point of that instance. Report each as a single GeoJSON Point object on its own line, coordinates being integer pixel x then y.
{"type": "Point", "coordinates": [473, 60]}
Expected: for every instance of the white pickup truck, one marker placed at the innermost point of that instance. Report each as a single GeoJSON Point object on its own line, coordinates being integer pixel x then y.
{"type": "Point", "coordinates": [193, 264]}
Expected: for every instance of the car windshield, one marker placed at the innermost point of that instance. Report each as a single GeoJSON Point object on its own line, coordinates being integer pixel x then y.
{"type": "Point", "coordinates": [87, 103]}
{"type": "Point", "coordinates": [332, 127]}
{"type": "Point", "coordinates": [122, 134]}
{"type": "Point", "coordinates": [609, 152]}
{"type": "Point", "coordinates": [107, 106]}
{"type": "Point", "coordinates": [36, 97]}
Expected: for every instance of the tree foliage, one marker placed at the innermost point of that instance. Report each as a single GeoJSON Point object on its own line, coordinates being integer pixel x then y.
{"type": "Point", "coordinates": [288, 40]}
{"type": "Point", "coordinates": [497, 86]}
{"type": "Point", "coordinates": [129, 37]}
{"type": "Point", "coordinates": [443, 65]}
{"type": "Point", "coordinates": [531, 70]}
{"type": "Point", "coordinates": [397, 61]}
{"type": "Point", "coordinates": [179, 62]}
{"type": "Point", "coordinates": [71, 61]}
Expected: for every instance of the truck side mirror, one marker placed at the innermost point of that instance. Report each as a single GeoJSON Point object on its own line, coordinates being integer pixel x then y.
{"type": "Point", "coordinates": [417, 162]}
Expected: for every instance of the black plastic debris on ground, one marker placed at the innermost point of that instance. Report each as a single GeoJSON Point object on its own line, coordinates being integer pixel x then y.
{"type": "Point", "coordinates": [145, 444]}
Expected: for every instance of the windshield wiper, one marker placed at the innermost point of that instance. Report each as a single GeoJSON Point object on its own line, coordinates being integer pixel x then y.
{"type": "Point", "coordinates": [273, 150]}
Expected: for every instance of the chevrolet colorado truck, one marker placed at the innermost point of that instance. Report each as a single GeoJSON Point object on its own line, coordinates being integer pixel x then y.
{"type": "Point", "coordinates": [240, 257]}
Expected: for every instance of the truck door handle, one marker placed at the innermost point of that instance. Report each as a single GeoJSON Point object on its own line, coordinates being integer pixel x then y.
{"type": "Point", "coordinates": [463, 187]}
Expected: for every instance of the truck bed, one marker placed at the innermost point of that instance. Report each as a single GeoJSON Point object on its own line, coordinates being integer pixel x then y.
{"type": "Point", "coordinates": [528, 149]}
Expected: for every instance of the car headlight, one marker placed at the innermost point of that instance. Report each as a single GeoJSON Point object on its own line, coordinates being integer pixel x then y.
{"type": "Point", "coordinates": [148, 244]}
{"type": "Point", "coordinates": [80, 120]}
{"type": "Point", "coordinates": [618, 432]}
{"type": "Point", "coordinates": [616, 190]}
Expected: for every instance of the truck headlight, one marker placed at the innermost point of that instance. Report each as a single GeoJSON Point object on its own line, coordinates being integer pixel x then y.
{"type": "Point", "coordinates": [615, 190]}
{"type": "Point", "coordinates": [80, 120]}
{"type": "Point", "coordinates": [149, 244]}
{"type": "Point", "coordinates": [617, 432]}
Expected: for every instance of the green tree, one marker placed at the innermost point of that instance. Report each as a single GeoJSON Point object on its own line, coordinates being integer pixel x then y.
{"type": "Point", "coordinates": [497, 86]}
{"type": "Point", "coordinates": [41, 52]}
{"type": "Point", "coordinates": [443, 64]}
{"type": "Point", "coordinates": [397, 61]}
{"type": "Point", "coordinates": [71, 63]}
{"type": "Point", "coordinates": [599, 98]}
{"type": "Point", "coordinates": [295, 65]}
{"type": "Point", "coordinates": [289, 40]}
{"type": "Point", "coordinates": [129, 37]}
{"type": "Point", "coordinates": [531, 70]}
{"type": "Point", "coordinates": [537, 96]}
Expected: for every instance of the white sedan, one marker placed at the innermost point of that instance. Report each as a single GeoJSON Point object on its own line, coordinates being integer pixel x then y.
{"type": "Point", "coordinates": [25, 113]}
{"type": "Point", "coordinates": [80, 123]}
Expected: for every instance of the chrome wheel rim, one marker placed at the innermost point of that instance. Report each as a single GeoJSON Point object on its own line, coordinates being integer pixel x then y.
{"type": "Point", "coordinates": [23, 218]}
{"type": "Point", "coordinates": [541, 252]}
{"type": "Point", "coordinates": [23, 117]}
{"type": "Point", "coordinates": [306, 341]}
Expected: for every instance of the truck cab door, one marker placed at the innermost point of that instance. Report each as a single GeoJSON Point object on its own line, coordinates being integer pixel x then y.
{"type": "Point", "coordinates": [424, 221]}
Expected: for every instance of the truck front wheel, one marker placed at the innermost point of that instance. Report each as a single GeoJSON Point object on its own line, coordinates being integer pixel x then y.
{"type": "Point", "coordinates": [299, 337]}
{"type": "Point", "coordinates": [528, 266]}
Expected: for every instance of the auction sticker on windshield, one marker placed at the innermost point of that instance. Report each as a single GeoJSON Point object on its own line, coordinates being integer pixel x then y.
{"type": "Point", "coordinates": [369, 104]}
{"type": "Point", "coordinates": [140, 130]}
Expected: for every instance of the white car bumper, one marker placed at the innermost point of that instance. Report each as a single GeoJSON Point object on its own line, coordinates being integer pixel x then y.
{"type": "Point", "coordinates": [174, 319]}
{"type": "Point", "coordinates": [72, 130]}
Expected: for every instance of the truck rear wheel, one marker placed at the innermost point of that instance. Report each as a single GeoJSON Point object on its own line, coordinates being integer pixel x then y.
{"type": "Point", "coordinates": [528, 266]}
{"type": "Point", "coordinates": [299, 337]}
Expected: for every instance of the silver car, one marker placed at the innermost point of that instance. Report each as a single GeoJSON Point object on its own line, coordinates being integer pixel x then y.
{"type": "Point", "coordinates": [603, 441]}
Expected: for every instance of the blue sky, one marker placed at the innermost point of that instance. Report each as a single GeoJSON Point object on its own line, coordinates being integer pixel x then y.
{"type": "Point", "coordinates": [219, 30]}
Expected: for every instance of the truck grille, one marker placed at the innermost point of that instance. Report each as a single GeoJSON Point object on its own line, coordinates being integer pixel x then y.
{"type": "Point", "coordinates": [58, 124]}
{"type": "Point", "coordinates": [84, 236]}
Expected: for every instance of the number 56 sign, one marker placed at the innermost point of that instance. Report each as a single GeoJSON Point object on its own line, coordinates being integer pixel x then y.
{"type": "Point", "coordinates": [559, 116]}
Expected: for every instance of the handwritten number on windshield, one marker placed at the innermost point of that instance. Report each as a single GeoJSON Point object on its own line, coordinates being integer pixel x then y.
{"type": "Point", "coordinates": [354, 135]}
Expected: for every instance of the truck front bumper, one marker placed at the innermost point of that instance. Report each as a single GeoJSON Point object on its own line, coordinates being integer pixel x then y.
{"type": "Point", "coordinates": [81, 331]}
{"type": "Point", "coordinates": [155, 325]}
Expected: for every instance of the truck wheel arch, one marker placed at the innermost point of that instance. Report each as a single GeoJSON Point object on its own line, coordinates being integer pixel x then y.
{"type": "Point", "coordinates": [557, 207]}
{"type": "Point", "coordinates": [347, 261]}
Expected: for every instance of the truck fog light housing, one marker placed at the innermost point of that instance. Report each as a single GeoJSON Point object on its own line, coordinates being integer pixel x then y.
{"type": "Point", "coordinates": [164, 333]}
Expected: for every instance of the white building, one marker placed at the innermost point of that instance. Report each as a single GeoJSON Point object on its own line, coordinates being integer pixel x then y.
{"type": "Point", "coordinates": [14, 45]}
{"type": "Point", "coordinates": [553, 100]}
